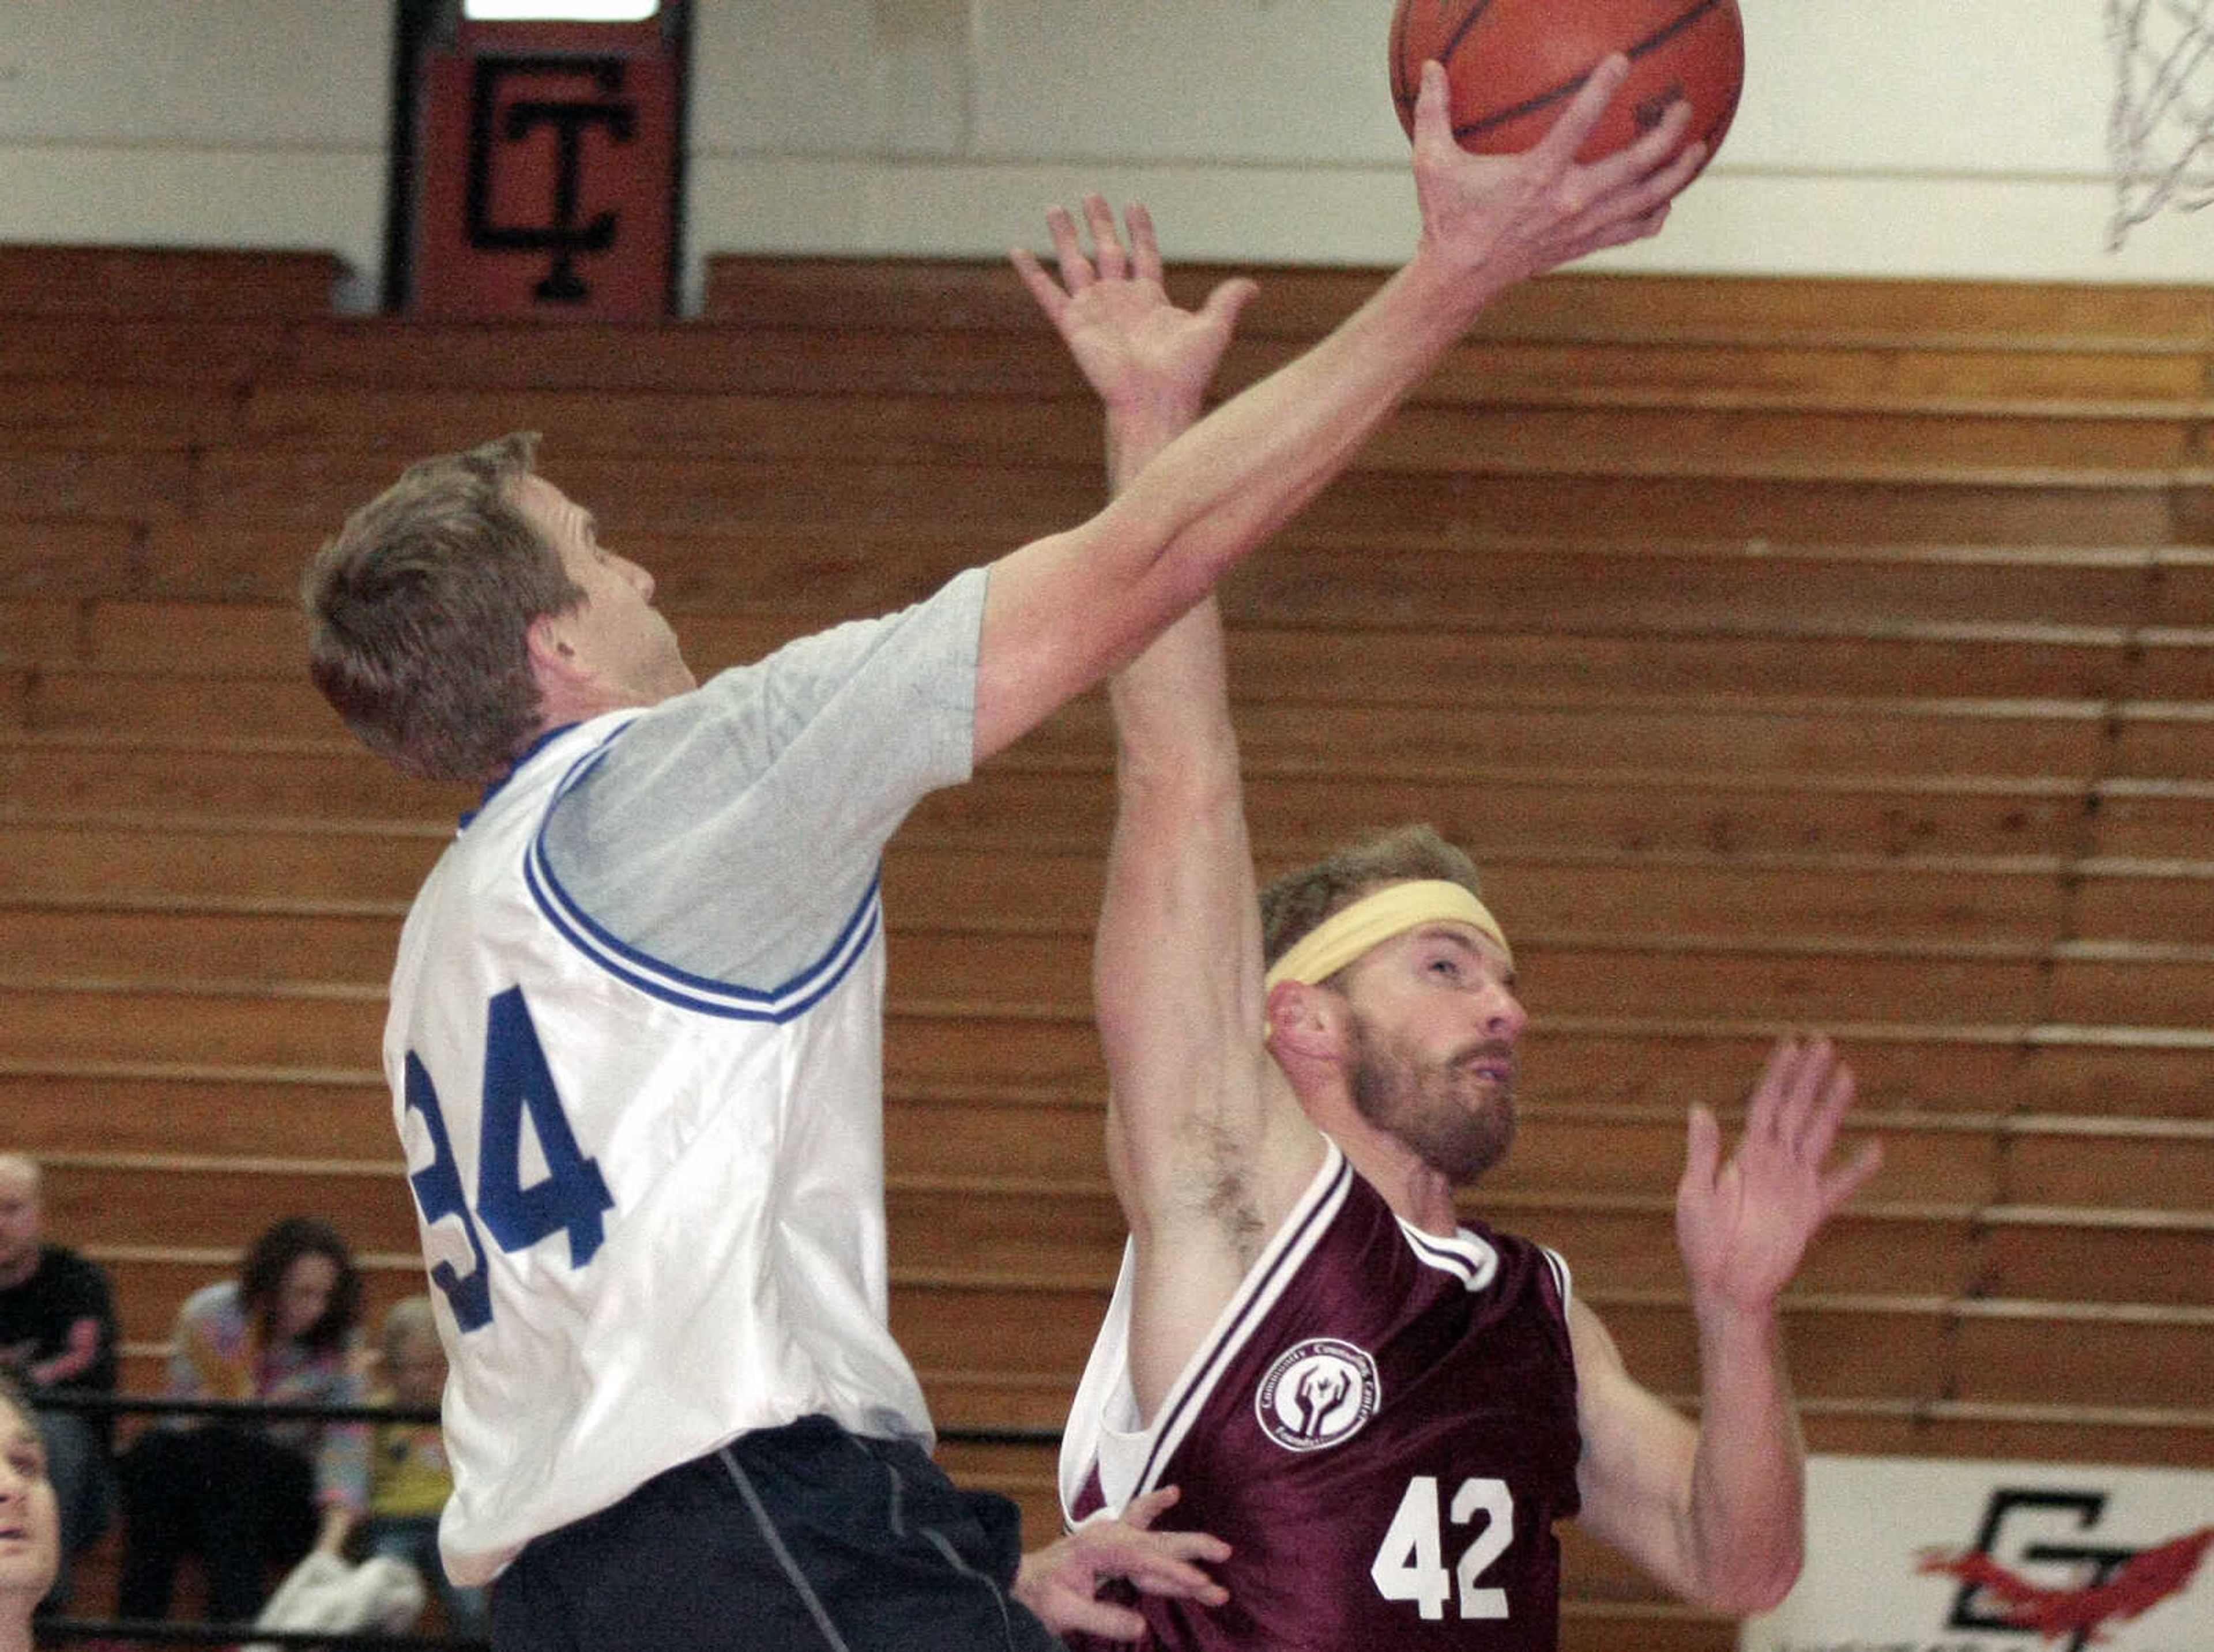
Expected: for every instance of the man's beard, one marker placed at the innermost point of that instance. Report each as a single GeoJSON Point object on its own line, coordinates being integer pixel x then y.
{"type": "Point", "coordinates": [1427, 1105]}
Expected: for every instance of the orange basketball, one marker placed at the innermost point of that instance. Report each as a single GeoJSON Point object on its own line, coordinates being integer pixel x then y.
{"type": "Point", "coordinates": [1515, 65]}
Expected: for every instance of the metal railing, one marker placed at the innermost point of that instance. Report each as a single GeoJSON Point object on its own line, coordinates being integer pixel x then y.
{"type": "Point", "coordinates": [71, 1629]}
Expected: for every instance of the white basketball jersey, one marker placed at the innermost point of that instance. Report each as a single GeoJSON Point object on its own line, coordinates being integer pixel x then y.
{"type": "Point", "coordinates": [652, 1204]}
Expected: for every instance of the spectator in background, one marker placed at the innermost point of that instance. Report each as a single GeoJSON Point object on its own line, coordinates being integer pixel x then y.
{"type": "Point", "coordinates": [250, 1495]}
{"type": "Point", "coordinates": [409, 1479]}
{"type": "Point", "coordinates": [58, 1336]}
{"type": "Point", "coordinates": [30, 1528]}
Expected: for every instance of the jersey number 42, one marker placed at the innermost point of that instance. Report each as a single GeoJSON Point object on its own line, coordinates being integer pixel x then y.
{"type": "Point", "coordinates": [570, 1198]}
{"type": "Point", "coordinates": [1410, 1564]}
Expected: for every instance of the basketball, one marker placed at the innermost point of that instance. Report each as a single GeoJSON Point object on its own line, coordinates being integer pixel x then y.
{"type": "Point", "coordinates": [1515, 65]}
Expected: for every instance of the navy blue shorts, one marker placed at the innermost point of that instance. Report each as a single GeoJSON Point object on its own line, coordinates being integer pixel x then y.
{"type": "Point", "coordinates": [799, 1538]}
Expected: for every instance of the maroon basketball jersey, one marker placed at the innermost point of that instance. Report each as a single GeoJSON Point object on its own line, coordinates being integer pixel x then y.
{"type": "Point", "coordinates": [1382, 1426]}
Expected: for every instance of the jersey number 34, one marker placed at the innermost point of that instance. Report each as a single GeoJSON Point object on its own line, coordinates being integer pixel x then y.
{"type": "Point", "coordinates": [569, 1199]}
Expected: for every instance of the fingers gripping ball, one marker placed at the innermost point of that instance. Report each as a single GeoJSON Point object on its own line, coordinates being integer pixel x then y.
{"type": "Point", "coordinates": [1513, 64]}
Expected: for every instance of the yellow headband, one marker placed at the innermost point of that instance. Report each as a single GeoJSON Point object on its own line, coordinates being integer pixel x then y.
{"type": "Point", "coordinates": [1345, 935]}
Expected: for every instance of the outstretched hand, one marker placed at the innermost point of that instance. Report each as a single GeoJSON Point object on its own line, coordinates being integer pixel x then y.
{"type": "Point", "coordinates": [1060, 1582]}
{"type": "Point", "coordinates": [1744, 1225]}
{"type": "Point", "coordinates": [1134, 347]}
{"type": "Point", "coordinates": [1514, 216]}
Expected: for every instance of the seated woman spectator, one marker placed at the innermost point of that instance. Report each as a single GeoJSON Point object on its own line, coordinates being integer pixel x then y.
{"type": "Point", "coordinates": [247, 1495]}
{"type": "Point", "coordinates": [30, 1520]}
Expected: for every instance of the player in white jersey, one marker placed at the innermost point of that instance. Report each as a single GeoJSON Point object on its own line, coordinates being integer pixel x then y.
{"type": "Point", "coordinates": [635, 1026]}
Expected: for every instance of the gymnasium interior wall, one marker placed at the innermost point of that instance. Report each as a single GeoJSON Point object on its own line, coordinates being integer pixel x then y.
{"type": "Point", "coordinates": [1877, 138]}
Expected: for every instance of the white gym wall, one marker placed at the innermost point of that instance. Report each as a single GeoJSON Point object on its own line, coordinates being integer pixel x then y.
{"type": "Point", "coordinates": [1880, 138]}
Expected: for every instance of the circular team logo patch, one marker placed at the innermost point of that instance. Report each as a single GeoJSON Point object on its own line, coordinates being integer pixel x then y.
{"type": "Point", "coordinates": [1317, 1393]}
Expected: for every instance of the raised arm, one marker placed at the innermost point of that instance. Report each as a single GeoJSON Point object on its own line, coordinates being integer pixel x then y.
{"type": "Point", "coordinates": [1176, 966]}
{"type": "Point", "coordinates": [1065, 611]}
{"type": "Point", "coordinates": [1716, 1512]}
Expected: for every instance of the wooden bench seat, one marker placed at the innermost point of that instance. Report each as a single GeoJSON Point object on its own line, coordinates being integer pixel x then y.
{"type": "Point", "coordinates": [2021, 1430]}
{"type": "Point", "coordinates": [1053, 807]}
{"type": "Point", "coordinates": [2144, 1164]}
{"type": "Point", "coordinates": [72, 411]}
{"type": "Point", "coordinates": [2173, 666]}
{"type": "Point", "coordinates": [199, 282]}
{"type": "Point", "coordinates": [1010, 501]}
{"type": "Point", "coordinates": [1479, 409]}
{"type": "Point", "coordinates": [2187, 585]}
{"type": "Point", "coordinates": [1817, 984]}
{"type": "Point", "coordinates": [727, 579]}
{"type": "Point", "coordinates": [217, 358]}
{"type": "Point", "coordinates": [2171, 984]}
{"type": "Point", "coordinates": [328, 868]}
{"type": "Point", "coordinates": [960, 1232]}
{"type": "Point", "coordinates": [2030, 318]}
{"type": "Point", "coordinates": [1841, 1346]}
{"type": "Point", "coordinates": [200, 777]}
{"type": "Point", "coordinates": [1567, 1141]}
{"type": "Point", "coordinates": [151, 1019]}
{"type": "Point", "coordinates": [214, 1110]}
{"type": "Point", "coordinates": [2105, 1160]}
{"type": "Point", "coordinates": [2150, 818]}
{"type": "Point", "coordinates": [2165, 740]}
{"type": "Point", "coordinates": [280, 942]}
{"type": "Point", "coordinates": [202, 632]}
{"type": "Point", "coordinates": [201, 1203]}
{"type": "Point", "coordinates": [1846, 1346]}
{"type": "Point", "coordinates": [2073, 1070]}
{"type": "Point", "coordinates": [2151, 901]}
{"type": "Point", "coordinates": [1385, 573]}
{"type": "Point", "coordinates": [47, 568]}
{"type": "Point", "coordinates": [209, 941]}
{"type": "Point", "coordinates": [44, 626]}
{"type": "Point", "coordinates": [1650, 644]}
{"type": "Point", "coordinates": [1676, 893]}
{"type": "Point", "coordinates": [1565, 1144]}
{"type": "Point", "coordinates": [2158, 1436]}
{"type": "Point", "coordinates": [98, 485]}
{"type": "Point", "coordinates": [432, 386]}
{"type": "Point", "coordinates": [263, 1016]}
{"type": "Point", "coordinates": [1922, 1062]}
{"type": "Point", "coordinates": [1060, 1229]}
{"type": "Point", "coordinates": [1429, 732]}
{"type": "Point", "coordinates": [2001, 900]}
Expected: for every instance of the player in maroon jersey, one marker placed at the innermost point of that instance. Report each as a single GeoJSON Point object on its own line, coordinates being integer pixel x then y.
{"type": "Point", "coordinates": [1383, 1410]}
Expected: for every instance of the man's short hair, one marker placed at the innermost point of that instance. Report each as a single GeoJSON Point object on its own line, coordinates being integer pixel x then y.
{"type": "Point", "coordinates": [419, 612]}
{"type": "Point", "coordinates": [1297, 902]}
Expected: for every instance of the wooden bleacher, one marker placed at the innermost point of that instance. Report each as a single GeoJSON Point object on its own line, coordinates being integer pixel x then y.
{"type": "Point", "coordinates": [1790, 652]}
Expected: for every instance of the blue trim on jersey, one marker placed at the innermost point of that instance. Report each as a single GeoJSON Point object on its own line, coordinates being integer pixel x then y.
{"type": "Point", "coordinates": [484, 800]}
{"type": "Point", "coordinates": [1290, 1255]}
{"type": "Point", "coordinates": [657, 977]}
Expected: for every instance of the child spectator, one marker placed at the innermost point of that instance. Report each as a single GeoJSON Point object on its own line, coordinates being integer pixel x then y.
{"type": "Point", "coordinates": [409, 1480]}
